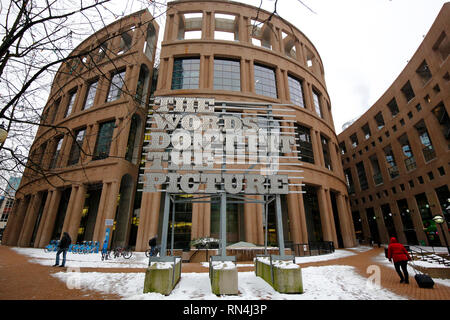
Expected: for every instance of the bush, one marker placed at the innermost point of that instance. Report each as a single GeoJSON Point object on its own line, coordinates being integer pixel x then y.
{"type": "Point", "coordinates": [205, 243]}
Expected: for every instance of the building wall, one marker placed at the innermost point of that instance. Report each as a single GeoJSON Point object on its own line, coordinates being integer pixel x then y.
{"type": "Point", "coordinates": [58, 182]}
{"type": "Point", "coordinates": [414, 176]}
{"type": "Point", "coordinates": [288, 52]}
{"type": "Point", "coordinates": [285, 50]}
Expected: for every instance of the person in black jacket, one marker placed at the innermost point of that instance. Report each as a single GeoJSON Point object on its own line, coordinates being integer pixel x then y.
{"type": "Point", "coordinates": [152, 244]}
{"type": "Point", "coordinates": [62, 248]}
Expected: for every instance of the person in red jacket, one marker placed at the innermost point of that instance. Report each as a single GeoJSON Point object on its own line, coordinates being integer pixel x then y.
{"type": "Point", "coordinates": [398, 253]}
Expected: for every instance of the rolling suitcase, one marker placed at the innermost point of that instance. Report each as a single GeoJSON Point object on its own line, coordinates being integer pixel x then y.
{"type": "Point", "coordinates": [423, 280]}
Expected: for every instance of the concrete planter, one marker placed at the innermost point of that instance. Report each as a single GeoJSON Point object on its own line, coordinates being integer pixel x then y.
{"type": "Point", "coordinates": [224, 280]}
{"type": "Point", "coordinates": [283, 277]}
{"type": "Point", "coordinates": [162, 277]}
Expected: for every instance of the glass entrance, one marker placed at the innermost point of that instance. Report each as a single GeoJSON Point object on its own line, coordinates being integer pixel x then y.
{"type": "Point", "coordinates": [89, 213]}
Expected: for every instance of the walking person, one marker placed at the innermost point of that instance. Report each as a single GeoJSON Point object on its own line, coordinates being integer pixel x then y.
{"type": "Point", "coordinates": [398, 253]}
{"type": "Point", "coordinates": [152, 244]}
{"type": "Point", "coordinates": [62, 248]}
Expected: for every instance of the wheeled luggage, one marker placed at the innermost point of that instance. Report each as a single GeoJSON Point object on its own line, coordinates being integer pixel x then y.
{"type": "Point", "coordinates": [424, 280]}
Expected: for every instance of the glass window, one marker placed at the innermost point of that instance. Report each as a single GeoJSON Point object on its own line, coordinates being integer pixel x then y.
{"type": "Point", "coordinates": [71, 103]}
{"type": "Point", "coordinates": [317, 106]}
{"type": "Point", "coordinates": [296, 91]}
{"type": "Point", "coordinates": [56, 153]}
{"type": "Point", "coordinates": [186, 73]}
{"type": "Point", "coordinates": [265, 81]}
{"type": "Point", "coordinates": [115, 88]}
{"type": "Point", "coordinates": [90, 96]}
{"type": "Point", "coordinates": [104, 139]}
{"type": "Point", "coordinates": [304, 144]}
{"type": "Point", "coordinates": [227, 75]}
{"type": "Point", "coordinates": [76, 147]}
{"type": "Point", "coordinates": [362, 176]}
{"type": "Point", "coordinates": [393, 107]}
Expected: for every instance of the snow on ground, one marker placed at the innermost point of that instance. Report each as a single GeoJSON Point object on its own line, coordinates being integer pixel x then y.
{"type": "Point", "coordinates": [320, 283]}
{"type": "Point", "coordinates": [323, 283]}
{"type": "Point", "coordinates": [381, 259]}
{"type": "Point", "coordinates": [90, 260]}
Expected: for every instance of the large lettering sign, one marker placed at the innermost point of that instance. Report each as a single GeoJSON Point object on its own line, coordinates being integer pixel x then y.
{"type": "Point", "coordinates": [197, 145]}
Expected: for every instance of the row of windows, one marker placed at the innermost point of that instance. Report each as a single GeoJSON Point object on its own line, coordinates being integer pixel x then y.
{"type": "Point", "coordinates": [114, 92]}
{"type": "Point", "coordinates": [227, 76]}
{"type": "Point", "coordinates": [102, 145]}
{"type": "Point", "coordinates": [423, 72]}
{"type": "Point", "coordinates": [392, 169]}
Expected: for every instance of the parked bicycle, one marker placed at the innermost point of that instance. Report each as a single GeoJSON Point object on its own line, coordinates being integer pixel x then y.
{"type": "Point", "coordinates": [120, 251]}
{"type": "Point", "coordinates": [52, 246]}
{"type": "Point", "coordinates": [149, 253]}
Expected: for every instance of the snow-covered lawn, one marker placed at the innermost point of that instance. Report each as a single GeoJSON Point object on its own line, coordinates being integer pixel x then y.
{"type": "Point", "coordinates": [324, 283]}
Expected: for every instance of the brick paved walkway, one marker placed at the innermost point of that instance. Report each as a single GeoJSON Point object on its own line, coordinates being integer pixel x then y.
{"type": "Point", "coordinates": [22, 280]}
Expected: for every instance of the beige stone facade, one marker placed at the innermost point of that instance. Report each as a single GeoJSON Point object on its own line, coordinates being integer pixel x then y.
{"type": "Point", "coordinates": [233, 52]}
{"type": "Point", "coordinates": [396, 155]}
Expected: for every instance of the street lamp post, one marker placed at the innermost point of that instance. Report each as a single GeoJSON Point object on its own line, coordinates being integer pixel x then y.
{"type": "Point", "coordinates": [440, 220]}
{"type": "Point", "coordinates": [3, 133]}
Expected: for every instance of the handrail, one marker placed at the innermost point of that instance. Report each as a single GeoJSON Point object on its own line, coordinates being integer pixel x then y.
{"type": "Point", "coordinates": [422, 251]}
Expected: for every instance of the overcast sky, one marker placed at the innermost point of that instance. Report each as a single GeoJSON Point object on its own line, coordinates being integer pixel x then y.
{"type": "Point", "coordinates": [364, 44]}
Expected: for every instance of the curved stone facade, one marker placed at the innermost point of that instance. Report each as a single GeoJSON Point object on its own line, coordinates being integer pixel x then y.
{"type": "Point", "coordinates": [211, 37]}
{"type": "Point", "coordinates": [89, 141]}
{"type": "Point", "coordinates": [396, 155]}
{"type": "Point", "coordinates": [226, 51]}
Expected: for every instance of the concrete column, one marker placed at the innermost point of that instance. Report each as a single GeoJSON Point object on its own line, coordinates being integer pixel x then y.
{"type": "Point", "coordinates": [294, 217]}
{"type": "Point", "coordinates": [334, 158]}
{"type": "Point", "coordinates": [436, 136]}
{"type": "Point", "coordinates": [384, 236]}
{"type": "Point", "coordinates": [69, 211]}
{"type": "Point", "coordinates": [244, 35]}
{"type": "Point", "coordinates": [76, 212]}
{"type": "Point", "coordinates": [280, 84]}
{"type": "Point", "coordinates": [417, 219]}
{"type": "Point", "coordinates": [91, 138]}
{"type": "Point", "coordinates": [116, 137]}
{"type": "Point", "coordinates": [307, 95]}
{"type": "Point", "coordinates": [251, 76]}
{"type": "Point", "coordinates": [124, 136]}
{"type": "Point", "coordinates": [208, 25]}
{"type": "Point", "coordinates": [50, 194]}
{"type": "Point", "coordinates": [249, 221]}
{"type": "Point", "coordinates": [100, 221]}
{"type": "Point", "coordinates": [301, 211]}
{"type": "Point", "coordinates": [331, 217]}
{"type": "Point", "coordinates": [324, 209]}
{"type": "Point", "coordinates": [196, 228]}
{"type": "Point", "coordinates": [148, 219]}
{"type": "Point", "coordinates": [259, 222]}
{"type": "Point", "coordinates": [11, 234]}
{"type": "Point", "coordinates": [110, 208]}
{"type": "Point", "coordinates": [207, 219]}
{"type": "Point", "coordinates": [397, 222]}
{"type": "Point", "coordinates": [318, 151]}
{"type": "Point", "coordinates": [30, 218]}
{"type": "Point", "coordinates": [350, 218]}
{"type": "Point", "coordinates": [344, 218]}
{"type": "Point", "coordinates": [49, 222]}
